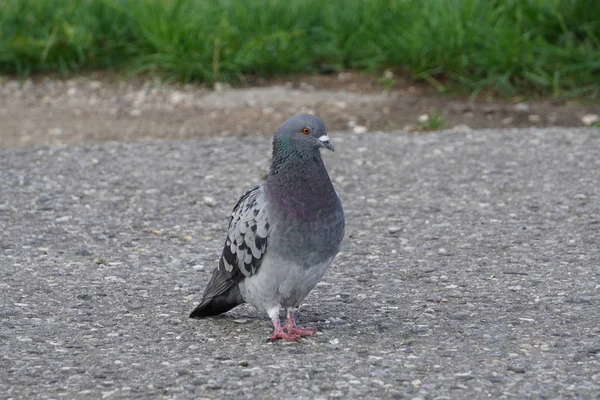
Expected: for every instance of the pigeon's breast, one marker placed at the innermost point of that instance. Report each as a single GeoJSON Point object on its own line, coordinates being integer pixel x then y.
{"type": "Point", "coordinates": [309, 230]}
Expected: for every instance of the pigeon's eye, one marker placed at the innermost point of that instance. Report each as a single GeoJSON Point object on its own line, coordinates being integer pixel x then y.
{"type": "Point", "coordinates": [306, 131]}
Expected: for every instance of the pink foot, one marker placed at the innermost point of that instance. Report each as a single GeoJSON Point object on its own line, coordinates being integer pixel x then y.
{"type": "Point", "coordinates": [281, 334]}
{"type": "Point", "coordinates": [300, 331]}
{"type": "Point", "coordinates": [291, 327]}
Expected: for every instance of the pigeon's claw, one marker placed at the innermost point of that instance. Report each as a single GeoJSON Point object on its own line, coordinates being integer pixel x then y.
{"type": "Point", "coordinates": [281, 334]}
{"type": "Point", "coordinates": [278, 331]}
{"type": "Point", "coordinates": [300, 331]}
{"type": "Point", "coordinates": [291, 327]}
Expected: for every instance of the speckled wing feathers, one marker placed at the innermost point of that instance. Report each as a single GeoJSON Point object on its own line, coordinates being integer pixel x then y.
{"type": "Point", "coordinates": [243, 253]}
{"type": "Point", "coordinates": [249, 229]}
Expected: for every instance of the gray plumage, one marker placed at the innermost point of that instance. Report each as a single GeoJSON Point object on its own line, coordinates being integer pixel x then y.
{"type": "Point", "coordinates": [282, 234]}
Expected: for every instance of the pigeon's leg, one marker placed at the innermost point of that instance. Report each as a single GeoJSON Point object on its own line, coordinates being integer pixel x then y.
{"type": "Point", "coordinates": [279, 332]}
{"type": "Point", "coordinates": [292, 328]}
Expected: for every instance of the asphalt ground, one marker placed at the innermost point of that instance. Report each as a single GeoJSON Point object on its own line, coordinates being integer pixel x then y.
{"type": "Point", "coordinates": [470, 269]}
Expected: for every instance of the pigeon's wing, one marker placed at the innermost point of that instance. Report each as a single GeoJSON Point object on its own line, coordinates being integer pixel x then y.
{"type": "Point", "coordinates": [245, 245]}
{"type": "Point", "coordinates": [248, 234]}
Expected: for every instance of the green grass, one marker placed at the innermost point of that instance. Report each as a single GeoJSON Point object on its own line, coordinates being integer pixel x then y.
{"type": "Point", "coordinates": [434, 123]}
{"type": "Point", "coordinates": [551, 47]}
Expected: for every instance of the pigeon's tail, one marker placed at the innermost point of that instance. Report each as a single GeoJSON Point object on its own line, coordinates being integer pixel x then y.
{"type": "Point", "coordinates": [216, 305]}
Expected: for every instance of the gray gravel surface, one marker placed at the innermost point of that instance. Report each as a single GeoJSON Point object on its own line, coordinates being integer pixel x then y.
{"type": "Point", "coordinates": [471, 269]}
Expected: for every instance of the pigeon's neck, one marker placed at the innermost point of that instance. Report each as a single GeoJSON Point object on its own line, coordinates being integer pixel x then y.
{"type": "Point", "coordinates": [298, 172]}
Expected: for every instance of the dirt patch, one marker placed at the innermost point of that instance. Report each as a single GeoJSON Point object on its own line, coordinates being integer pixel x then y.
{"type": "Point", "coordinates": [54, 111]}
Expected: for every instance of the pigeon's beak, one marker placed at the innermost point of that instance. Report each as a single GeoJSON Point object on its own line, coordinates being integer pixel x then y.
{"type": "Point", "coordinates": [325, 142]}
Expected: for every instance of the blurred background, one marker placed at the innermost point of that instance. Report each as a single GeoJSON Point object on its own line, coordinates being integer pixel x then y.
{"type": "Point", "coordinates": [184, 68]}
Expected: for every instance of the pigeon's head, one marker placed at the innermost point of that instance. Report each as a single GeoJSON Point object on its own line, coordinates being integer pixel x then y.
{"type": "Point", "coordinates": [303, 132]}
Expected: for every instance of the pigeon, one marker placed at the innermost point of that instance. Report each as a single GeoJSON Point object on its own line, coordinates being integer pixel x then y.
{"type": "Point", "coordinates": [283, 234]}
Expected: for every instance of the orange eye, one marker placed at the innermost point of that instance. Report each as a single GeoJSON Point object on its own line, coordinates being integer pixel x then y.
{"type": "Point", "coordinates": [306, 131]}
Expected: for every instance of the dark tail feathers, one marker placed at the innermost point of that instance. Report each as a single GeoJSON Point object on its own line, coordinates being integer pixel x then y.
{"type": "Point", "coordinates": [219, 304]}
